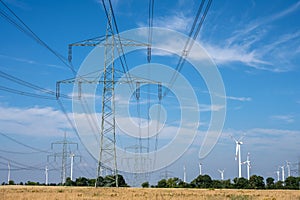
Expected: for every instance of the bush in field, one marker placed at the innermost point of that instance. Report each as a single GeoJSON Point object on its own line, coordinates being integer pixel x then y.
{"type": "Point", "coordinates": [270, 183]}
{"type": "Point", "coordinates": [11, 182]}
{"type": "Point", "coordinates": [240, 183]}
{"type": "Point", "coordinates": [256, 182]}
{"type": "Point", "coordinates": [202, 181]}
{"type": "Point", "coordinates": [145, 184]}
{"type": "Point", "coordinates": [69, 182]}
{"type": "Point", "coordinates": [292, 183]}
{"type": "Point", "coordinates": [162, 183]}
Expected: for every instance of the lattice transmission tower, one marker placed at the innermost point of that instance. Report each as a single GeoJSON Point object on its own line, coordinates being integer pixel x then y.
{"type": "Point", "coordinates": [113, 48]}
{"type": "Point", "coordinates": [63, 154]}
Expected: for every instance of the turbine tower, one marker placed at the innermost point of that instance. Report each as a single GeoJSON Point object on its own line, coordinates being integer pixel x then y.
{"type": "Point", "coordinates": [222, 174]}
{"type": "Point", "coordinates": [72, 162]}
{"type": "Point", "coordinates": [46, 174]}
{"type": "Point", "coordinates": [288, 165]}
{"type": "Point", "coordinates": [200, 168]}
{"type": "Point", "coordinates": [247, 162]}
{"type": "Point", "coordinates": [238, 154]}
{"type": "Point", "coordinates": [282, 171]}
{"type": "Point", "coordinates": [278, 174]}
{"type": "Point", "coordinates": [8, 175]}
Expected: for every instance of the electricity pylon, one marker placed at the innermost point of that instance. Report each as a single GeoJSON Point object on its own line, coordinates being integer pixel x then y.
{"type": "Point", "coordinates": [113, 44]}
{"type": "Point", "coordinates": [63, 154]}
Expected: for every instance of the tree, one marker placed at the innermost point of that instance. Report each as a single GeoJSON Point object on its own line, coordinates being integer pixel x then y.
{"type": "Point", "coordinates": [202, 181]}
{"type": "Point", "coordinates": [256, 182]}
{"type": "Point", "coordinates": [226, 184]}
{"type": "Point", "coordinates": [91, 182]}
{"type": "Point", "coordinates": [69, 182]}
{"type": "Point", "coordinates": [81, 181]}
{"type": "Point", "coordinates": [173, 182]}
{"type": "Point", "coordinates": [270, 183]}
{"type": "Point", "coordinates": [278, 185]}
{"type": "Point", "coordinates": [182, 184]}
{"type": "Point", "coordinates": [291, 182]}
{"type": "Point", "coordinates": [162, 183]}
{"type": "Point", "coordinates": [145, 184]}
{"type": "Point", "coordinates": [240, 183]}
{"type": "Point", "coordinates": [30, 183]}
{"type": "Point", "coordinates": [11, 182]}
{"type": "Point", "coordinates": [110, 181]}
{"type": "Point", "coordinates": [216, 184]}
{"type": "Point", "coordinates": [121, 181]}
{"type": "Point", "coordinates": [100, 181]}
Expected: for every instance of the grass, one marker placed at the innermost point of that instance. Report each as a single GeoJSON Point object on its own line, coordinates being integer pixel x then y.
{"type": "Point", "coordinates": [90, 193]}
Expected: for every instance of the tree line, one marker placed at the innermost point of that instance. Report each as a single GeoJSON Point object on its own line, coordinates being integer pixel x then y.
{"type": "Point", "coordinates": [107, 181]}
{"type": "Point", "coordinates": [205, 181]}
{"type": "Point", "coordinates": [202, 181]}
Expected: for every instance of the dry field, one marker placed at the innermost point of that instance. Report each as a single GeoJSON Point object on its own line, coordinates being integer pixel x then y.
{"type": "Point", "coordinates": [87, 193]}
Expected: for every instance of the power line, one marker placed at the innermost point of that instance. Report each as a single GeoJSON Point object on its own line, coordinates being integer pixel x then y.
{"type": "Point", "coordinates": [29, 94]}
{"type": "Point", "coordinates": [29, 85]}
{"type": "Point", "coordinates": [64, 154]}
{"type": "Point", "coordinates": [110, 13]}
{"type": "Point", "coordinates": [190, 41]}
{"type": "Point", "coordinates": [19, 152]}
{"type": "Point", "coordinates": [23, 144]}
{"type": "Point", "coordinates": [150, 30]}
{"type": "Point", "coordinates": [20, 24]}
{"type": "Point", "coordinates": [21, 165]}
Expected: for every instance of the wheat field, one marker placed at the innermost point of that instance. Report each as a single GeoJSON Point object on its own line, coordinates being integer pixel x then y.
{"type": "Point", "coordinates": [89, 193]}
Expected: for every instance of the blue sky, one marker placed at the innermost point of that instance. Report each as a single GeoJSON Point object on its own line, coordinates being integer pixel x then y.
{"type": "Point", "coordinates": [255, 45]}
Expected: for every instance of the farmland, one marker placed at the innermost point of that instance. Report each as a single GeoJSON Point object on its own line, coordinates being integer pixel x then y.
{"type": "Point", "coordinates": [87, 193]}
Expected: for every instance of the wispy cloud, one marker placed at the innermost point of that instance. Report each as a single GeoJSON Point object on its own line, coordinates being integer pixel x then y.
{"type": "Point", "coordinates": [264, 137]}
{"type": "Point", "coordinates": [178, 22]}
{"type": "Point", "coordinates": [239, 98]}
{"type": "Point", "coordinates": [210, 108]}
{"type": "Point", "coordinates": [256, 46]}
{"type": "Point", "coordinates": [31, 62]}
{"type": "Point", "coordinates": [284, 118]}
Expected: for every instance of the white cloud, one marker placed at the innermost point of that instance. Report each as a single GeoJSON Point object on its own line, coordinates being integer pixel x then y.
{"type": "Point", "coordinates": [284, 118]}
{"type": "Point", "coordinates": [178, 22]}
{"type": "Point", "coordinates": [210, 108]}
{"type": "Point", "coordinates": [239, 98]}
{"type": "Point", "coordinates": [255, 45]}
{"type": "Point", "coordinates": [270, 139]}
{"type": "Point", "coordinates": [37, 121]}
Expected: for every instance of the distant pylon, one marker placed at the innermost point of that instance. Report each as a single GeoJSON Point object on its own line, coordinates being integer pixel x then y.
{"type": "Point", "coordinates": [63, 155]}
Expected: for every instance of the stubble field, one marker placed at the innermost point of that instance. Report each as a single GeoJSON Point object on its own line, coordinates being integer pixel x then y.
{"type": "Point", "coordinates": [89, 193]}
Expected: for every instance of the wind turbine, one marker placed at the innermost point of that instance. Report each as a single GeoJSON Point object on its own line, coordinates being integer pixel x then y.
{"type": "Point", "coordinates": [288, 165]}
{"type": "Point", "coordinates": [8, 174]}
{"type": "Point", "coordinates": [222, 174]}
{"type": "Point", "coordinates": [46, 174]}
{"type": "Point", "coordinates": [282, 171]}
{"type": "Point", "coordinates": [238, 144]}
{"type": "Point", "coordinates": [247, 162]}
{"type": "Point", "coordinates": [278, 173]}
{"type": "Point", "coordinates": [72, 161]}
{"type": "Point", "coordinates": [200, 168]}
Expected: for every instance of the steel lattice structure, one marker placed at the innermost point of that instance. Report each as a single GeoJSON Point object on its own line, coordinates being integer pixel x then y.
{"type": "Point", "coordinates": [113, 44]}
